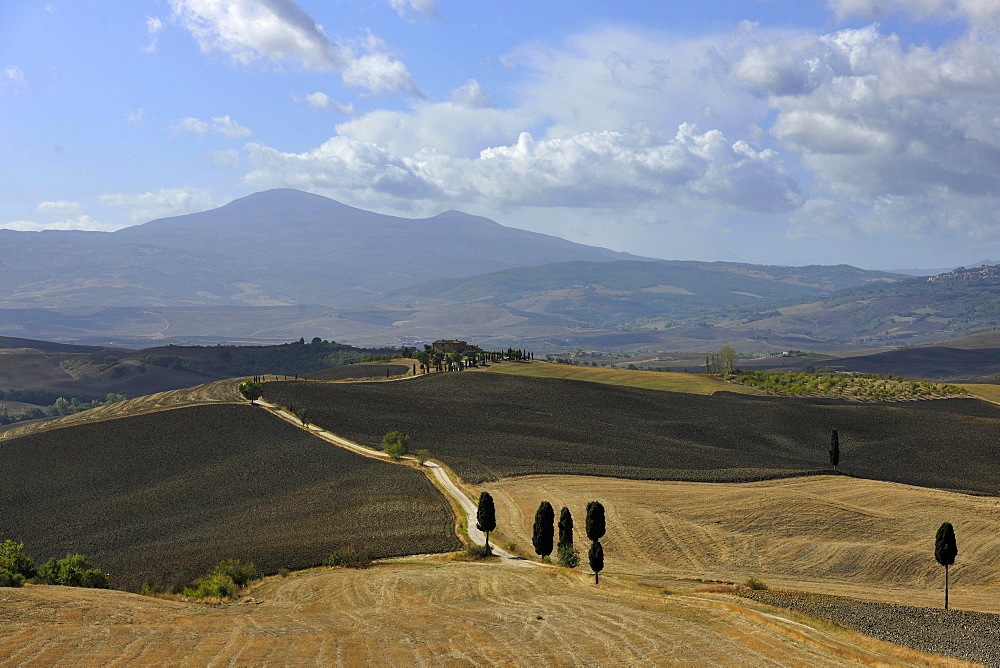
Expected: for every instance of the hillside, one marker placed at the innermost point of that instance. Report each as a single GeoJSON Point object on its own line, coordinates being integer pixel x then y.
{"type": "Point", "coordinates": [488, 426]}
{"type": "Point", "coordinates": [166, 495]}
{"type": "Point", "coordinates": [603, 293]}
{"type": "Point", "coordinates": [426, 613]}
{"type": "Point", "coordinates": [276, 247]}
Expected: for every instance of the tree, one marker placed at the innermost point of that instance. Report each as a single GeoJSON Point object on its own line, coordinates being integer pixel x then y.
{"type": "Point", "coordinates": [73, 571]}
{"type": "Point", "coordinates": [727, 360]}
{"type": "Point", "coordinates": [251, 390]}
{"type": "Point", "coordinates": [15, 565]}
{"type": "Point", "coordinates": [834, 449]}
{"type": "Point", "coordinates": [565, 527]}
{"type": "Point", "coordinates": [596, 558]}
{"type": "Point", "coordinates": [595, 521]}
{"type": "Point", "coordinates": [543, 532]}
{"type": "Point", "coordinates": [565, 552]}
{"type": "Point", "coordinates": [945, 551]}
{"type": "Point", "coordinates": [396, 444]}
{"type": "Point", "coordinates": [486, 518]}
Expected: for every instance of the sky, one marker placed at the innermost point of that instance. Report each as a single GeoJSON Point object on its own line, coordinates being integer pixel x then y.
{"type": "Point", "coordinates": [792, 132]}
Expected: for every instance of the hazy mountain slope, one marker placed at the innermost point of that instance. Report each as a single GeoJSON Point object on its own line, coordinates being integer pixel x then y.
{"type": "Point", "coordinates": [597, 293]}
{"type": "Point", "coordinates": [270, 248]}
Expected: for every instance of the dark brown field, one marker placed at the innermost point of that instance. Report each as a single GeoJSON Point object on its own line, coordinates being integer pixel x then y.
{"type": "Point", "coordinates": [165, 496]}
{"type": "Point", "coordinates": [490, 426]}
{"type": "Point", "coordinates": [359, 371]}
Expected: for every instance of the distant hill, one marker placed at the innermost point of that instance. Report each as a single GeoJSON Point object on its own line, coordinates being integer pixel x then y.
{"type": "Point", "coordinates": [270, 248]}
{"type": "Point", "coordinates": [603, 293]}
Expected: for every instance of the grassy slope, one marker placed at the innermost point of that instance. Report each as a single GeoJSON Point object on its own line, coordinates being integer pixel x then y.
{"type": "Point", "coordinates": [487, 426]}
{"type": "Point", "coordinates": [166, 495]}
{"type": "Point", "coordinates": [671, 382]}
{"type": "Point", "coordinates": [829, 534]}
{"type": "Point", "coordinates": [424, 614]}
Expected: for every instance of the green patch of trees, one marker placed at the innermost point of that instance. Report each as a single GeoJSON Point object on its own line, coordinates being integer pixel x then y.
{"type": "Point", "coordinates": [73, 570]}
{"type": "Point", "coordinates": [50, 404]}
{"type": "Point", "coordinates": [857, 386]}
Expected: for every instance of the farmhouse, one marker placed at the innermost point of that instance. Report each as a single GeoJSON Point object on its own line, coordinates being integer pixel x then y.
{"type": "Point", "coordinates": [452, 346]}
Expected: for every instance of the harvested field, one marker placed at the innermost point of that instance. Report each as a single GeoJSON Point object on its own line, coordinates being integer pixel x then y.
{"type": "Point", "coordinates": [352, 371]}
{"type": "Point", "coordinates": [219, 392]}
{"type": "Point", "coordinates": [828, 534]}
{"type": "Point", "coordinates": [423, 614]}
{"type": "Point", "coordinates": [166, 495]}
{"type": "Point", "coordinates": [650, 380]}
{"type": "Point", "coordinates": [489, 426]}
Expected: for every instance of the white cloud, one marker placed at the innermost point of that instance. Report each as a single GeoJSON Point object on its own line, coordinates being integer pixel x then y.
{"type": "Point", "coordinates": [222, 125]}
{"type": "Point", "coordinates": [406, 8]}
{"type": "Point", "coordinates": [60, 207]}
{"type": "Point", "coordinates": [228, 158]}
{"type": "Point", "coordinates": [590, 170]}
{"type": "Point", "coordinates": [979, 13]}
{"type": "Point", "coordinates": [11, 77]}
{"type": "Point", "coordinates": [471, 94]}
{"type": "Point", "coordinates": [279, 31]}
{"type": "Point", "coordinates": [320, 100]}
{"type": "Point", "coordinates": [144, 207]}
{"type": "Point", "coordinates": [900, 141]}
{"type": "Point", "coordinates": [154, 26]}
{"type": "Point", "coordinates": [135, 116]}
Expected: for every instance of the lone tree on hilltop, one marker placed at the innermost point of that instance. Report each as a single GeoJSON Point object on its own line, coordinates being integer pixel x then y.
{"type": "Point", "coordinates": [486, 517]}
{"type": "Point", "coordinates": [543, 532]}
{"type": "Point", "coordinates": [834, 449]}
{"type": "Point", "coordinates": [945, 551]}
{"type": "Point", "coordinates": [251, 390]}
{"type": "Point", "coordinates": [596, 558]}
{"type": "Point", "coordinates": [595, 521]}
{"type": "Point", "coordinates": [396, 444]}
{"type": "Point", "coordinates": [566, 553]}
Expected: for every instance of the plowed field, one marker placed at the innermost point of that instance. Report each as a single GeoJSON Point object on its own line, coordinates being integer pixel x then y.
{"type": "Point", "coordinates": [166, 495]}
{"type": "Point", "coordinates": [421, 615]}
{"type": "Point", "coordinates": [489, 426]}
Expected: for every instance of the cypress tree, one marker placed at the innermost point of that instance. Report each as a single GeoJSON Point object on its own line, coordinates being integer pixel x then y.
{"type": "Point", "coordinates": [945, 551]}
{"type": "Point", "coordinates": [486, 519]}
{"type": "Point", "coordinates": [595, 521]}
{"type": "Point", "coordinates": [596, 558]}
{"type": "Point", "coordinates": [834, 449]}
{"type": "Point", "coordinates": [565, 527]}
{"type": "Point", "coordinates": [542, 534]}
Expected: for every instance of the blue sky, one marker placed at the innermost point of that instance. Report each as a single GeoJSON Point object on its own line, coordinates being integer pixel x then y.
{"type": "Point", "coordinates": [846, 131]}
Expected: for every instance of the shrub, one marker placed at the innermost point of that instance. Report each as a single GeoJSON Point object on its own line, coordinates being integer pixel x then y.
{"type": "Point", "coordinates": [477, 552]}
{"type": "Point", "coordinates": [212, 586]}
{"type": "Point", "coordinates": [9, 579]}
{"type": "Point", "coordinates": [755, 584]}
{"type": "Point", "coordinates": [348, 557]}
{"type": "Point", "coordinates": [241, 574]}
{"type": "Point", "coordinates": [396, 444]}
{"type": "Point", "coordinates": [568, 556]}
{"type": "Point", "coordinates": [72, 571]}
{"type": "Point", "coordinates": [14, 561]}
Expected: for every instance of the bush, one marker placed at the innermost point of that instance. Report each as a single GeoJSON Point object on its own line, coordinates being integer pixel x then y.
{"type": "Point", "coordinates": [396, 444]}
{"type": "Point", "coordinates": [755, 584]}
{"type": "Point", "coordinates": [476, 552]}
{"type": "Point", "coordinates": [9, 579]}
{"type": "Point", "coordinates": [72, 571]}
{"type": "Point", "coordinates": [212, 586]}
{"type": "Point", "coordinates": [241, 574]}
{"type": "Point", "coordinates": [348, 557]}
{"type": "Point", "coordinates": [14, 561]}
{"type": "Point", "coordinates": [568, 556]}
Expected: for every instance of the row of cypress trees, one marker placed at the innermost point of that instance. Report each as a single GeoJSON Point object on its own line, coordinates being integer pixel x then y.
{"type": "Point", "coordinates": [567, 555]}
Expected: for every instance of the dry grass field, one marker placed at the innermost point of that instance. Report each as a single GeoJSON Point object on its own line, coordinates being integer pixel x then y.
{"type": "Point", "coordinates": [426, 613]}
{"type": "Point", "coordinates": [987, 392]}
{"type": "Point", "coordinates": [670, 381]}
{"type": "Point", "coordinates": [218, 392]}
{"type": "Point", "coordinates": [830, 534]}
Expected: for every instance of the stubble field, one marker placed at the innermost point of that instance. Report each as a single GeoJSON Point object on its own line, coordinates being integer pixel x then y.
{"type": "Point", "coordinates": [424, 614]}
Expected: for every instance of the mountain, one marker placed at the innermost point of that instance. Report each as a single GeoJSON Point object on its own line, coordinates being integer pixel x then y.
{"type": "Point", "coordinates": [276, 247]}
